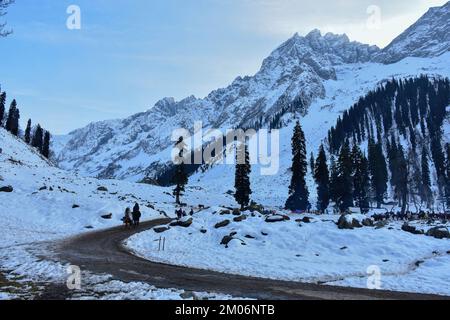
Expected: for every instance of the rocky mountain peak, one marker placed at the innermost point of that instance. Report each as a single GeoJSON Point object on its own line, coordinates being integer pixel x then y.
{"type": "Point", "coordinates": [428, 37]}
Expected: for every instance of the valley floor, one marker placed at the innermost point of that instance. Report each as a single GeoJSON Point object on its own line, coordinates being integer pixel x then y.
{"type": "Point", "coordinates": [314, 252]}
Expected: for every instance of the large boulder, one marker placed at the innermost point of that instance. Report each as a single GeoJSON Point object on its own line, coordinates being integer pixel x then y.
{"type": "Point", "coordinates": [367, 222]}
{"type": "Point", "coordinates": [226, 240]}
{"type": "Point", "coordinates": [107, 216]}
{"type": "Point", "coordinates": [411, 229]}
{"type": "Point", "coordinates": [240, 218]}
{"type": "Point", "coordinates": [160, 229]}
{"type": "Point", "coordinates": [438, 233]}
{"type": "Point", "coordinates": [222, 224]}
{"type": "Point", "coordinates": [356, 224]}
{"type": "Point", "coordinates": [381, 224]}
{"type": "Point", "coordinates": [182, 223]}
{"type": "Point", "coordinates": [7, 189]}
{"type": "Point", "coordinates": [275, 218]}
{"type": "Point", "coordinates": [344, 222]}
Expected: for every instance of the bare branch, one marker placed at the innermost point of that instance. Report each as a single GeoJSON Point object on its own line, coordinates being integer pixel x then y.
{"type": "Point", "coordinates": [4, 4]}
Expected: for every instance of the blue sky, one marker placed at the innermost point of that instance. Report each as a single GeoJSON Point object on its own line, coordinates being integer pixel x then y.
{"type": "Point", "coordinates": [129, 54]}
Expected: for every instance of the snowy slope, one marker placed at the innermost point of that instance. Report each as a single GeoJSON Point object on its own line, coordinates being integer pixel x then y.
{"type": "Point", "coordinates": [132, 148]}
{"type": "Point", "coordinates": [41, 209]}
{"type": "Point", "coordinates": [355, 81]}
{"type": "Point", "coordinates": [428, 37]}
{"type": "Point", "coordinates": [315, 252]}
{"type": "Point", "coordinates": [305, 72]}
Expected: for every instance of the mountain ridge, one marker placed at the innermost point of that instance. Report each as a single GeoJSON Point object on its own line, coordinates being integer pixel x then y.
{"type": "Point", "coordinates": [291, 78]}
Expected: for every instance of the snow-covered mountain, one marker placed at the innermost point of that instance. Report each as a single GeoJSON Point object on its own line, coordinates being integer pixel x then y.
{"type": "Point", "coordinates": [428, 37]}
{"type": "Point", "coordinates": [302, 72]}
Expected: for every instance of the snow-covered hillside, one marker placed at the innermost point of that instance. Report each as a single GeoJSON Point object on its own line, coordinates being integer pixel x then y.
{"type": "Point", "coordinates": [428, 37]}
{"type": "Point", "coordinates": [356, 81]}
{"type": "Point", "coordinates": [309, 74]}
{"type": "Point", "coordinates": [306, 250]}
{"type": "Point", "coordinates": [46, 204]}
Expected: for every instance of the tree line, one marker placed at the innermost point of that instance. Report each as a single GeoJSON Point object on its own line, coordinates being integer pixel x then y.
{"type": "Point", "coordinates": [388, 140]}
{"type": "Point", "coordinates": [37, 137]}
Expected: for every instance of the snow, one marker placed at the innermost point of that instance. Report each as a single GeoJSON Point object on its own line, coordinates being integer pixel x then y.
{"type": "Point", "coordinates": [354, 81]}
{"type": "Point", "coordinates": [316, 252]}
{"type": "Point", "coordinates": [33, 217]}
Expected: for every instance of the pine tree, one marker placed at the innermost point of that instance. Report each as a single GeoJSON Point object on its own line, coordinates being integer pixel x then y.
{"type": "Point", "coordinates": [345, 183]}
{"type": "Point", "coordinates": [2, 107]}
{"type": "Point", "coordinates": [12, 123]}
{"type": "Point", "coordinates": [311, 163]}
{"type": "Point", "coordinates": [180, 178]}
{"type": "Point", "coordinates": [38, 138]}
{"type": "Point", "coordinates": [361, 180]}
{"type": "Point", "coordinates": [378, 171]}
{"type": "Point", "coordinates": [242, 176]}
{"type": "Point", "coordinates": [298, 191]}
{"type": "Point", "coordinates": [447, 189]}
{"type": "Point", "coordinates": [46, 145]}
{"type": "Point", "coordinates": [334, 180]}
{"type": "Point", "coordinates": [402, 184]}
{"type": "Point", "coordinates": [425, 189]}
{"type": "Point", "coordinates": [27, 137]}
{"type": "Point", "coordinates": [322, 178]}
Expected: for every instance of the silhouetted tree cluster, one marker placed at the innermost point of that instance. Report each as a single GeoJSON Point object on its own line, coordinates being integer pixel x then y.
{"type": "Point", "coordinates": [40, 138]}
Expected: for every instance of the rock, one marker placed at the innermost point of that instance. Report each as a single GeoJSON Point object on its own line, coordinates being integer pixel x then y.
{"type": "Point", "coordinates": [344, 248]}
{"type": "Point", "coordinates": [438, 232]}
{"type": "Point", "coordinates": [264, 233]}
{"type": "Point", "coordinates": [226, 240]}
{"type": "Point", "coordinates": [306, 220]}
{"type": "Point", "coordinates": [275, 218]}
{"type": "Point", "coordinates": [367, 222]}
{"type": "Point", "coordinates": [43, 188]}
{"type": "Point", "coordinates": [103, 189]}
{"type": "Point", "coordinates": [356, 224]}
{"type": "Point", "coordinates": [188, 295]}
{"type": "Point", "coordinates": [240, 218]}
{"type": "Point", "coordinates": [7, 189]}
{"type": "Point", "coordinates": [182, 223]}
{"type": "Point", "coordinates": [161, 229]}
{"type": "Point", "coordinates": [343, 223]}
{"type": "Point", "coordinates": [89, 227]}
{"type": "Point", "coordinates": [75, 206]}
{"type": "Point", "coordinates": [224, 212]}
{"type": "Point", "coordinates": [385, 260]}
{"type": "Point", "coordinates": [236, 212]}
{"type": "Point", "coordinates": [407, 228]}
{"type": "Point", "coordinates": [107, 216]}
{"type": "Point", "coordinates": [418, 263]}
{"type": "Point", "coordinates": [250, 237]}
{"type": "Point", "coordinates": [222, 224]}
{"type": "Point", "coordinates": [203, 231]}
{"type": "Point", "coordinates": [380, 224]}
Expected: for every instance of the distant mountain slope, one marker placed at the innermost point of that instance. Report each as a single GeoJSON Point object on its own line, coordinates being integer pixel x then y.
{"type": "Point", "coordinates": [300, 72]}
{"type": "Point", "coordinates": [428, 37]}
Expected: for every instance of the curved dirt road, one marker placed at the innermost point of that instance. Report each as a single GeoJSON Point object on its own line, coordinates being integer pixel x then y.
{"type": "Point", "coordinates": [102, 252]}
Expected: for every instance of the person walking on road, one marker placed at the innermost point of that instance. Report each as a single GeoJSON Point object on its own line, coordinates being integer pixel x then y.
{"type": "Point", "coordinates": [136, 215]}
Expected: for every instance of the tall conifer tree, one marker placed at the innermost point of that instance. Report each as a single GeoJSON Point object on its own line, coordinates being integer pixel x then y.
{"type": "Point", "coordinates": [298, 191]}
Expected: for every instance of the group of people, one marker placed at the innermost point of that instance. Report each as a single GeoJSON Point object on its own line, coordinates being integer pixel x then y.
{"type": "Point", "coordinates": [180, 213]}
{"type": "Point", "coordinates": [132, 218]}
{"type": "Point", "coordinates": [410, 216]}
